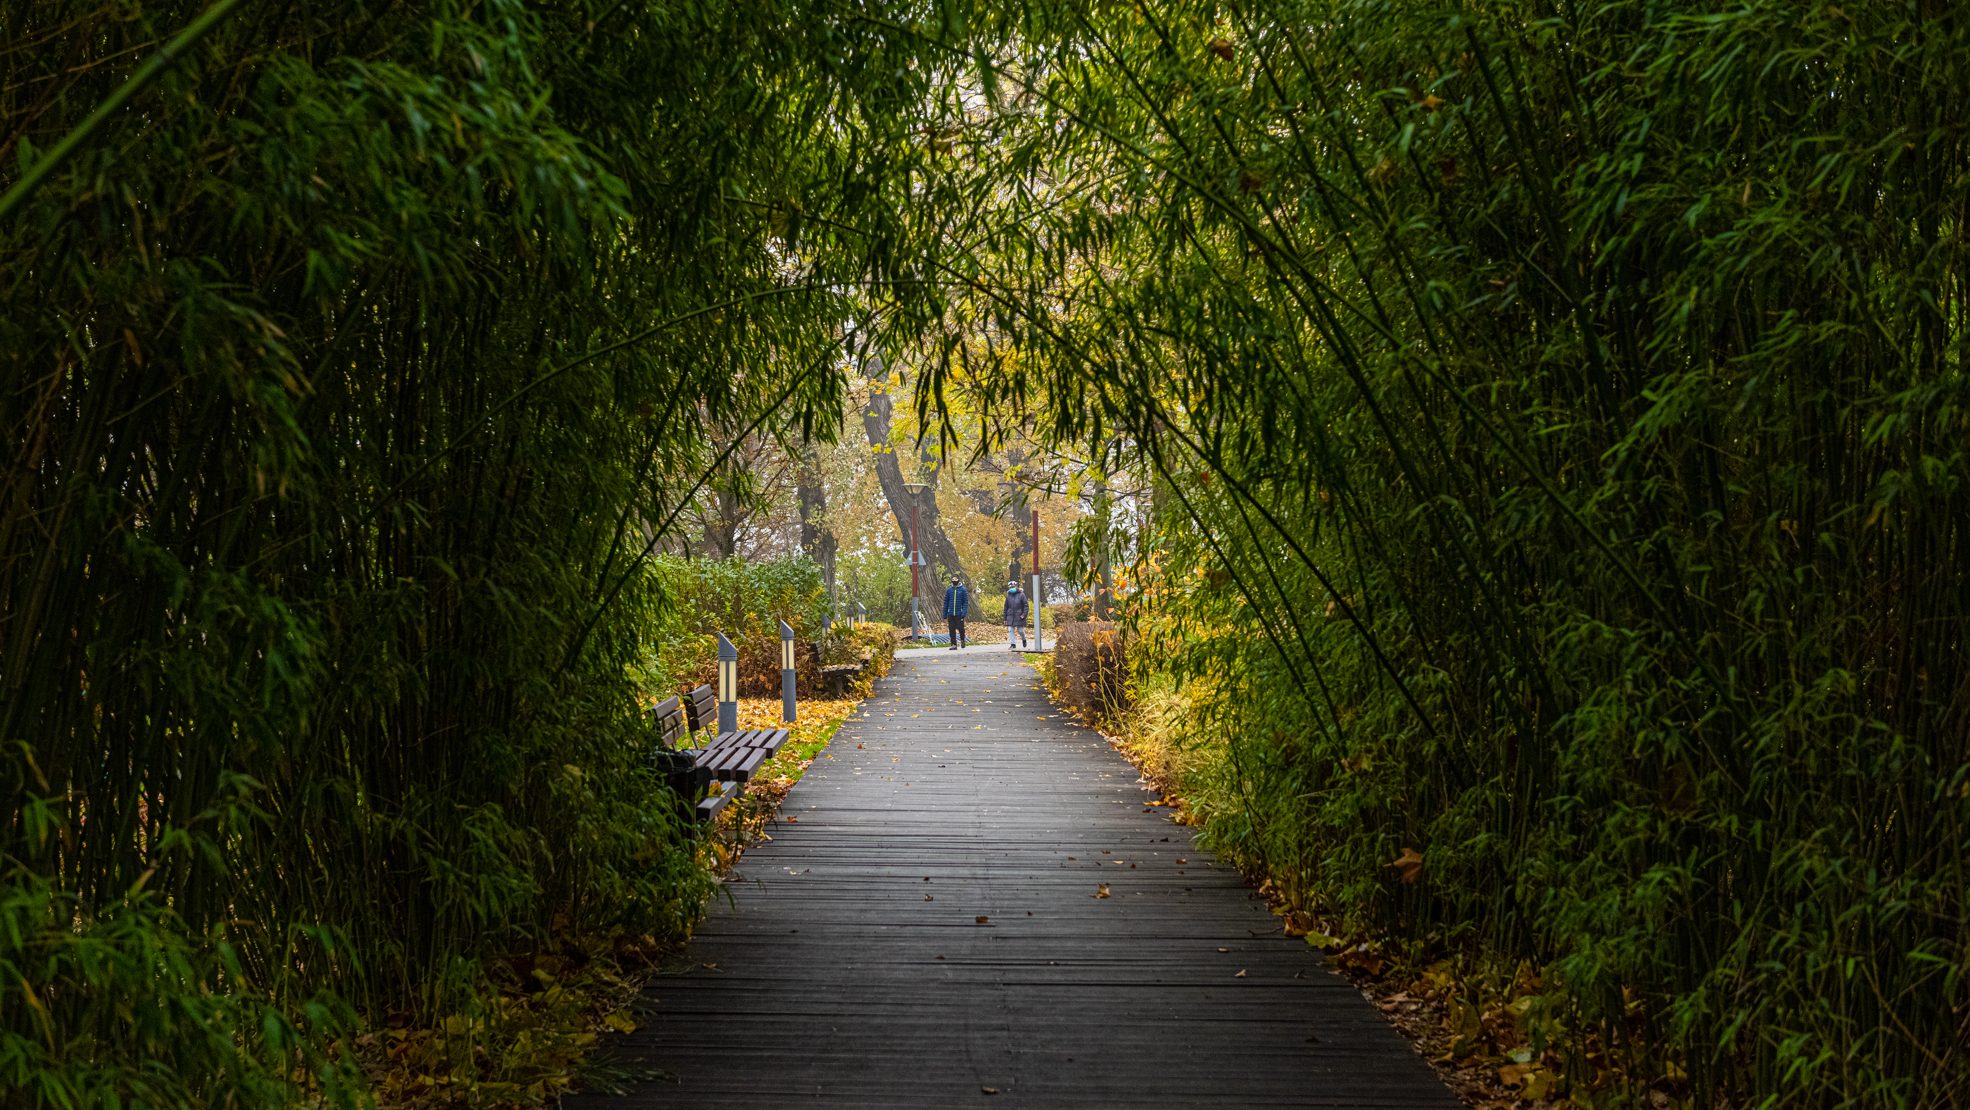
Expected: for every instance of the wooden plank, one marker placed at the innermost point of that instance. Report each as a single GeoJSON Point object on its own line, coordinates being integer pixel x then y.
{"type": "Point", "coordinates": [746, 762]}
{"type": "Point", "coordinates": [708, 807]}
{"type": "Point", "coordinates": [850, 967]}
{"type": "Point", "coordinates": [701, 710]}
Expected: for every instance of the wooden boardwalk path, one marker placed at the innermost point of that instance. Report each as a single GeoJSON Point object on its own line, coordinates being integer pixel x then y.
{"type": "Point", "coordinates": [927, 929]}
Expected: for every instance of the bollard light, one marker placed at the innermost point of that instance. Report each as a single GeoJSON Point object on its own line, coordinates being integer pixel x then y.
{"type": "Point", "coordinates": [728, 685]}
{"type": "Point", "coordinates": [786, 673]}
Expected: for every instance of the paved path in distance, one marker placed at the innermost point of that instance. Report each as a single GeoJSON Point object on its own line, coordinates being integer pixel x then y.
{"type": "Point", "coordinates": [969, 900]}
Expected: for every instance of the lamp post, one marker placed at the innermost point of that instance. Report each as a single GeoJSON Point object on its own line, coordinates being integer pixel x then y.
{"type": "Point", "coordinates": [1038, 644]}
{"type": "Point", "coordinates": [916, 558]}
{"type": "Point", "coordinates": [728, 685]}
{"type": "Point", "coordinates": [787, 707]}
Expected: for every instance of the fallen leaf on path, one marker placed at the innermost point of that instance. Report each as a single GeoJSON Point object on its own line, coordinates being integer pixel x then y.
{"type": "Point", "coordinates": [1100, 891]}
{"type": "Point", "coordinates": [1410, 864]}
{"type": "Point", "coordinates": [1240, 975]}
{"type": "Point", "coordinates": [982, 918]}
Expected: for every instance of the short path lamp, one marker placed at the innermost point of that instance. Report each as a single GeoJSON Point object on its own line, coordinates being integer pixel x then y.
{"type": "Point", "coordinates": [786, 673]}
{"type": "Point", "coordinates": [728, 685]}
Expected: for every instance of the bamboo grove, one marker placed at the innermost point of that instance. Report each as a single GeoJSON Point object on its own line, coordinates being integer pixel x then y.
{"type": "Point", "coordinates": [346, 376]}
{"type": "Point", "coordinates": [1555, 418]}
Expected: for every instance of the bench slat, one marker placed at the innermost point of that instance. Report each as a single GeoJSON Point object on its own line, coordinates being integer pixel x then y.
{"type": "Point", "coordinates": [708, 808]}
{"type": "Point", "coordinates": [667, 717]}
{"type": "Point", "coordinates": [748, 763]}
{"type": "Point", "coordinates": [701, 705]}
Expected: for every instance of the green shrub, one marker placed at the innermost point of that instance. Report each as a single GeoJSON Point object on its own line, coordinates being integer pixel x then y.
{"type": "Point", "coordinates": [744, 600]}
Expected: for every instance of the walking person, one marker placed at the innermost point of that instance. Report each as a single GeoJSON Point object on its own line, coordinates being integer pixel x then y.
{"type": "Point", "coordinates": [1016, 611]}
{"type": "Point", "coordinates": [957, 606]}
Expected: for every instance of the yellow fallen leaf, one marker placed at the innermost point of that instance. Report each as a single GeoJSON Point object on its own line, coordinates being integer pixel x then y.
{"type": "Point", "coordinates": [1100, 890]}
{"type": "Point", "coordinates": [1410, 864]}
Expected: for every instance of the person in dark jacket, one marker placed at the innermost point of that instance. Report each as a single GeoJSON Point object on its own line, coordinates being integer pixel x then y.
{"type": "Point", "coordinates": [1016, 611]}
{"type": "Point", "coordinates": [957, 606]}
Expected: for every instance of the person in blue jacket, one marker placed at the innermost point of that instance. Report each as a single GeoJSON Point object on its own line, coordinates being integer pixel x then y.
{"type": "Point", "coordinates": [1016, 612]}
{"type": "Point", "coordinates": [957, 606]}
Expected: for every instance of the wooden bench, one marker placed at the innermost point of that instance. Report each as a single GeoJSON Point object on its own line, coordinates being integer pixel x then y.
{"type": "Point", "coordinates": [684, 770]}
{"type": "Point", "coordinates": [837, 677]}
{"type": "Point", "coordinates": [728, 757]}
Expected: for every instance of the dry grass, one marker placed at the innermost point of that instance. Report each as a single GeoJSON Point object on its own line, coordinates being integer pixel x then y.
{"type": "Point", "coordinates": [1089, 671]}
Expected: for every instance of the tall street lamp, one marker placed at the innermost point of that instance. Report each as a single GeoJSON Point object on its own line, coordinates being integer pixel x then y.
{"type": "Point", "coordinates": [916, 557]}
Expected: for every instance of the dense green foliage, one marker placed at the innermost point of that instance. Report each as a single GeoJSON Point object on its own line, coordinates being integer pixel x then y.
{"type": "Point", "coordinates": [1558, 420]}
{"type": "Point", "coordinates": [879, 580]}
{"type": "Point", "coordinates": [745, 601]}
{"type": "Point", "coordinates": [347, 375]}
{"type": "Point", "coordinates": [1555, 415]}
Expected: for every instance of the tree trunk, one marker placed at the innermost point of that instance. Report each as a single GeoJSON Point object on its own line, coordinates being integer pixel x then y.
{"type": "Point", "coordinates": [817, 539]}
{"type": "Point", "coordinates": [937, 548]}
{"type": "Point", "coordinates": [723, 523]}
{"type": "Point", "coordinates": [1104, 593]}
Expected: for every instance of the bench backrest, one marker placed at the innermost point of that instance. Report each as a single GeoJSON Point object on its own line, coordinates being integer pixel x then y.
{"type": "Point", "coordinates": [668, 717]}
{"type": "Point", "coordinates": [702, 706]}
